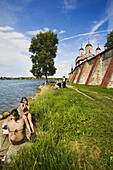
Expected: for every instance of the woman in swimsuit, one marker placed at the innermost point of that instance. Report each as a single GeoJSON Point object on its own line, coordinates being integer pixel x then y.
{"type": "Point", "coordinates": [24, 103]}
{"type": "Point", "coordinates": [27, 117]}
{"type": "Point", "coordinates": [25, 106]}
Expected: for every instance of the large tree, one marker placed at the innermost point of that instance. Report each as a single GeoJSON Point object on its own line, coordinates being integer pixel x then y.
{"type": "Point", "coordinates": [109, 42]}
{"type": "Point", "coordinates": [44, 48]}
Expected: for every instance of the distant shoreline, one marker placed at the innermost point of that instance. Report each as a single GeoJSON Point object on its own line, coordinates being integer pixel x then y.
{"type": "Point", "coordinates": [26, 78]}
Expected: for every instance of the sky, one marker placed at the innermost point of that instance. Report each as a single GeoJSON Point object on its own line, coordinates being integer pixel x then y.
{"type": "Point", "coordinates": [74, 21]}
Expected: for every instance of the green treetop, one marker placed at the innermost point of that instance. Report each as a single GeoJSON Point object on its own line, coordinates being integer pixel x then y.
{"type": "Point", "coordinates": [44, 49]}
{"type": "Point", "coordinates": [109, 42]}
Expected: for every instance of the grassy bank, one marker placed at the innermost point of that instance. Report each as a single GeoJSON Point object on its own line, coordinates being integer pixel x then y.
{"type": "Point", "coordinates": [74, 132]}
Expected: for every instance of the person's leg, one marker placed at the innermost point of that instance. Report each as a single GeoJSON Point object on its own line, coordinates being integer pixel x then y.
{"type": "Point", "coordinates": [63, 84]}
{"type": "Point", "coordinates": [60, 85]}
{"type": "Point", "coordinates": [26, 122]}
{"type": "Point", "coordinates": [30, 122]}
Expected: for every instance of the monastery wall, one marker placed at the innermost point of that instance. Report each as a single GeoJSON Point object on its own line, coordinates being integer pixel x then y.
{"type": "Point", "coordinates": [77, 74]}
{"type": "Point", "coordinates": [95, 78]}
{"type": "Point", "coordinates": [96, 71]}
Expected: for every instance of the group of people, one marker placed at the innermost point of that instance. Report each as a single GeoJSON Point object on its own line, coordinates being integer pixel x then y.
{"type": "Point", "coordinates": [63, 84]}
{"type": "Point", "coordinates": [16, 125]}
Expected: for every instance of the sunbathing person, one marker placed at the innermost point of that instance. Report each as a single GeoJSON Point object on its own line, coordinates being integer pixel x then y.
{"type": "Point", "coordinates": [25, 106]}
{"type": "Point", "coordinates": [16, 129]}
{"type": "Point", "coordinates": [24, 103]}
{"type": "Point", "coordinates": [27, 117]}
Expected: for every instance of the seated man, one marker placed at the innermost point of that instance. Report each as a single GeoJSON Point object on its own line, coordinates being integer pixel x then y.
{"type": "Point", "coordinates": [17, 135]}
{"type": "Point", "coordinates": [58, 83]}
{"type": "Point", "coordinates": [16, 129]}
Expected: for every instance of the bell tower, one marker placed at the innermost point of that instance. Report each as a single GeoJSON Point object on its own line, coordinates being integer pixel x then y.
{"type": "Point", "coordinates": [88, 49]}
{"type": "Point", "coordinates": [81, 51]}
{"type": "Point", "coordinates": [98, 50]}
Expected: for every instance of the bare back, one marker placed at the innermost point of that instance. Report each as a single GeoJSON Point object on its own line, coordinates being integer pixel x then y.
{"type": "Point", "coordinates": [16, 131]}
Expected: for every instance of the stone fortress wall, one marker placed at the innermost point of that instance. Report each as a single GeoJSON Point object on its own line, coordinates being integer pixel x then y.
{"type": "Point", "coordinates": [93, 70]}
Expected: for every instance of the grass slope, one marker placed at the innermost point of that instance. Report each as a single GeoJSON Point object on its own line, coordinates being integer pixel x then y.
{"type": "Point", "coordinates": [74, 132]}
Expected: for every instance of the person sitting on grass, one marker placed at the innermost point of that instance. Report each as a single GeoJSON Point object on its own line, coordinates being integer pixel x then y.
{"type": "Point", "coordinates": [27, 117]}
{"type": "Point", "coordinates": [58, 83]}
{"type": "Point", "coordinates": [16, 129]}
{"type": "Point", "coordinates": [24, 103]}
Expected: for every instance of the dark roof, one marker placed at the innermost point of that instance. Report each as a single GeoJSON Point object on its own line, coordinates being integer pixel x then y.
{"type": "Point", "coordinates": [81, 49]}
{"type": "Point", "coordinates": [98, 48]}
{"type": "Point", "coordinates": [88, 45]}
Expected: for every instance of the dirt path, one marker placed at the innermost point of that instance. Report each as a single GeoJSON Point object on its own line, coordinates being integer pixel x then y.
{"type": "Point", "coordinates": [80, 92]}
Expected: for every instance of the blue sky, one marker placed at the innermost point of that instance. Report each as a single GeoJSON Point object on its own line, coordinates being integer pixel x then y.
{"type": "Point", "coordinates": [73, 20]}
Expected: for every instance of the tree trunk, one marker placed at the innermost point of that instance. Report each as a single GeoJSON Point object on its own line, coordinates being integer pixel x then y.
{"type": "Point", "coordinates": [46, 78]}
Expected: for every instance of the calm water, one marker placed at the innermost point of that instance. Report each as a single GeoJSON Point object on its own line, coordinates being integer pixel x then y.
{"type": "Point", "coordinates": [11, 92]}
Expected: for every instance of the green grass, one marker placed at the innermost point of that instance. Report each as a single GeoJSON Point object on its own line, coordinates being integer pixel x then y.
{"type": "Point", "coordinates": [102, 94]}
{"type": "Point", "coordinates": [73, 132]}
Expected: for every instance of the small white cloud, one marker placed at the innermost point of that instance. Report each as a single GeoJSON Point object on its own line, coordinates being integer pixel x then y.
{"type": "Point", "coordinates": [37, 31]}
{"type": "Point", "coordinates": [46, 29]}
{"type": "Point", "coordinates": [95, 22]}
{"type": "Point", "coordinates": [6, 28]}
{"type": "Point", "coordinates": [70, 4]}
{"type": "Point", "coordinates": [54, 30]}
{"type": "Point", "coordinates": [62, 31]}
{"type": "Point", "coordinates": [34, 32]}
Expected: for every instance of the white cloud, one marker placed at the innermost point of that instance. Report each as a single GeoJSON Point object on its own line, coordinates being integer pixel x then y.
{"type": "Point", "coordinates": [109, 12]}
{"type": "Point", "coordinates": [14, 56]}
{"type": "Point", "coordinates": [37, 31]}
{"type": "Point", "coordinates": [65, 58]}
{"type": "Point", "coordinates": [34, 32]}
{"type": "Point", "coordinates": [11, 35]}
{"type": "Point", "coordinates": [46, 29]}
{"type": "Point", "coordinates": [69, 4]}
{"type": "Point", "coordinates": [54, 30]}
{"type": "Point", "coordinates": [6, 28]}
{"type": "Point", "coordinates": [63, 68]}
{"type": "Point", "coordinates": [62, 31]}
{"type": "Point", "coordinates": [99, 24]}
{"type": "Point", "coordinates": [84, 34]}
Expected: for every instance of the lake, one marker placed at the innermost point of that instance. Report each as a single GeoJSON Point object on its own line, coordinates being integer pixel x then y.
{"type": "Point", "coordinates": [11, 92]}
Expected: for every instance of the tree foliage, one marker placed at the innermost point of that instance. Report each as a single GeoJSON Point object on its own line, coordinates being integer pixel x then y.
{"type": "Point", "coordinates": [109, 42]}
{"type": "Point", "coordinates": [44, 49]}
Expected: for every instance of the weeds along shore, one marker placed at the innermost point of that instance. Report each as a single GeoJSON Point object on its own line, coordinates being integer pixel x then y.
{"type": "Point", "coordinates": [73, 131]}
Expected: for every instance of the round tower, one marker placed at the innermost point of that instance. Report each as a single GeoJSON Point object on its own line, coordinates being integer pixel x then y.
{"type": "Point", "coordinates": [89, 49]}
{"type": "Point", "coordinates": [81, 51]}
{"type": "Point", "coordinates": [98, 50]}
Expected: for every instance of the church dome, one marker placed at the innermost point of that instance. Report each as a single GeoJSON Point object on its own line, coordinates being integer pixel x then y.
{"type": "Point", "coordinates": [88, 45]}
{"type": "Point", "coordinates": [81, 49]}
{"type": "Point", "coordinates": [98, 48]}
